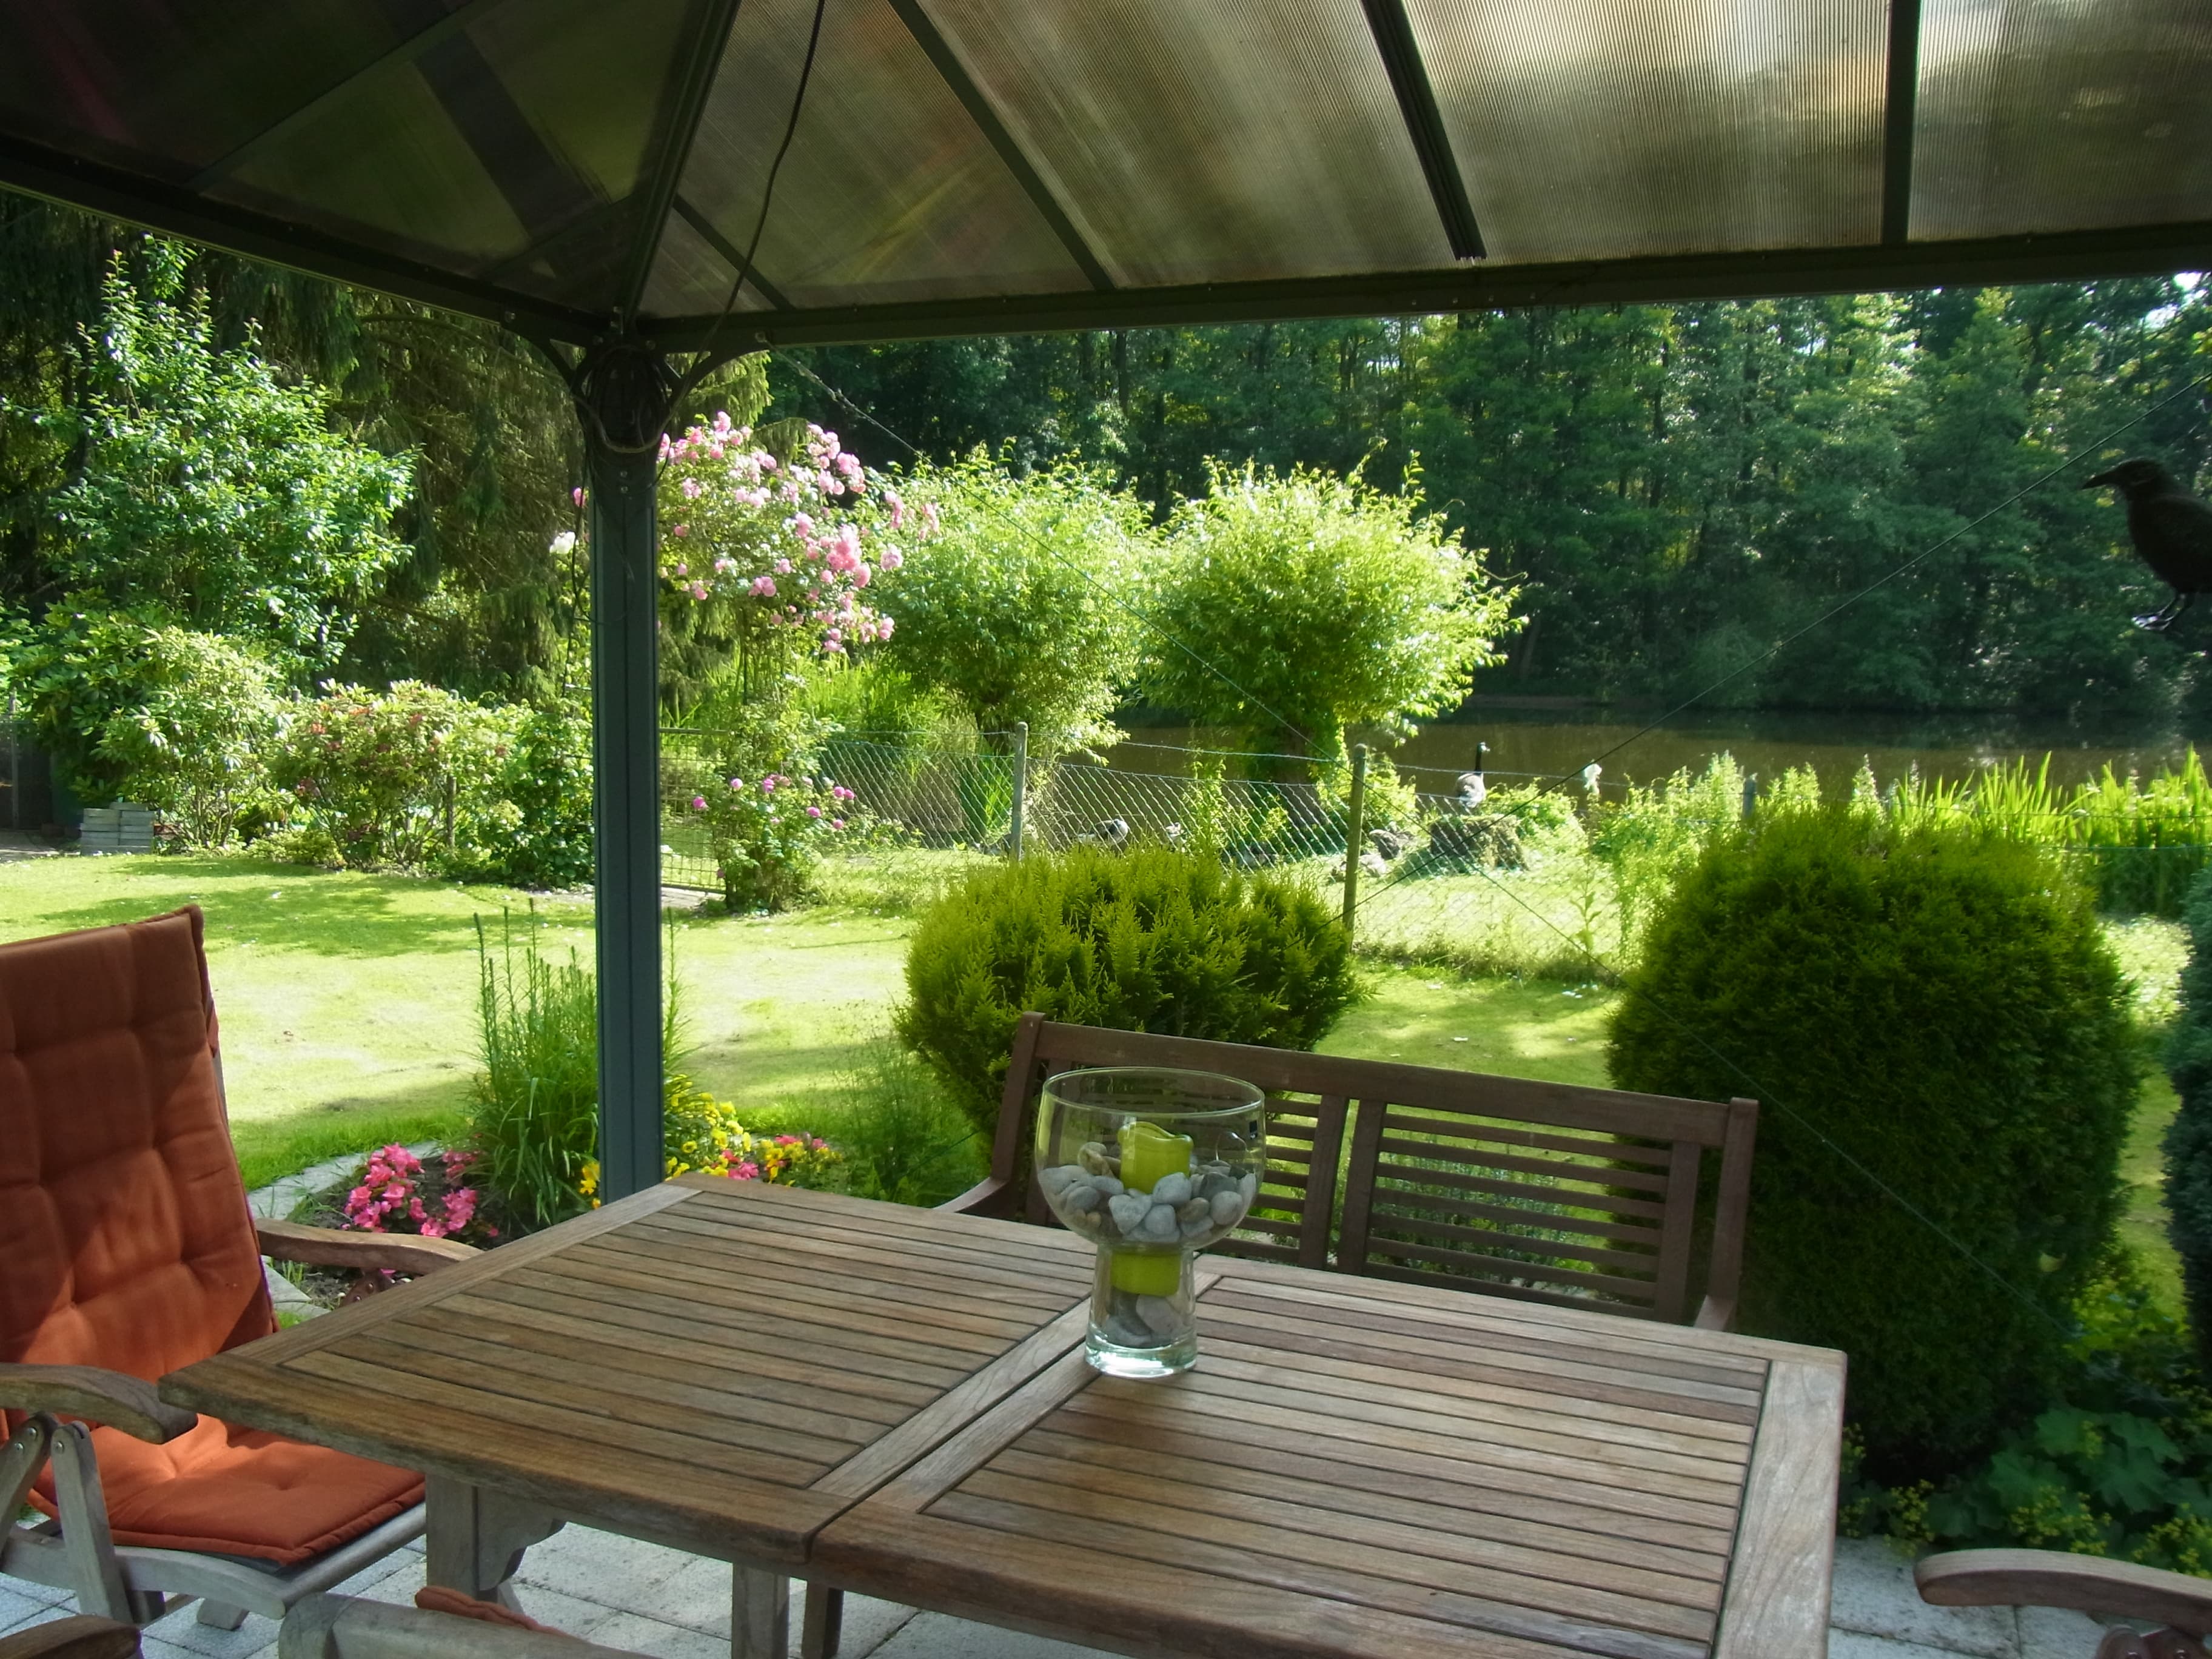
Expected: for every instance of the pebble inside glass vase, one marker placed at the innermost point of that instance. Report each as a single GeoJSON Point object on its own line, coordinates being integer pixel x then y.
{"type": "Point", "coordinates": [1155, 1166]}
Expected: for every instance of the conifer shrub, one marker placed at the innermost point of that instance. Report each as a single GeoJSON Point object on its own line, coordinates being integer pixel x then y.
{"type": "Point", "coordinates": [1938, 1003]}
{"type": "Point", "coordinates": [2189, 1138]}
{"type": "Point", "coordinates": [1152, 940]}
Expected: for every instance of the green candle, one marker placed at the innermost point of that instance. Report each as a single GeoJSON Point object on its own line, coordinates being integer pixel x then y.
{"type": "Point", "coordinates": [1148, 1153]}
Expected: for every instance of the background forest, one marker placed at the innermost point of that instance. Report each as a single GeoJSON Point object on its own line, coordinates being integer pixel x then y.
{"type": "Point", "coordinates": [1674, 486]}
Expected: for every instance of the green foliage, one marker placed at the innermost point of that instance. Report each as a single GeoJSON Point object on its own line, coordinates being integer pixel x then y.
{"type": "Point", "coordinates": [2117, 1465]}
{"type": "Point", "coordinates": [1325, 601]}
{"type": "Point", "coordinates": [1938, 1003]}
{"type": "Point", "coordinates": [2189, 1139]}
{"type": "Point", "coordinates": [1153, 940]}
{"type": "Point", "coordinates": [193, 746]}
{"type": "Point", "coordinates": [214, 490]}
{"type": "Point", "coordinates": [536, 1123]}
{"type": "Point", "coordinates": [1023, 606]}
{"type": "Point", "coordinates": [378, 778]}
{"type": "Point", "coordinates": [535, 829]}
{"type": "Point", "coordinates": [903, 1138]}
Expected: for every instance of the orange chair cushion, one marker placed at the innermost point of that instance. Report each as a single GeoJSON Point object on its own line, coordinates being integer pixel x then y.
{"type": "Point", "coordinates": [240, 1491]}
{"type": "Point", "coordinates": [126, 1241]}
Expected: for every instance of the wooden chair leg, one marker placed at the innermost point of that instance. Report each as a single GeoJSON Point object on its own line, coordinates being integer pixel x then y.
{"type": "Point", "coordinates": [97, 1576]}
{"type": "Point", "coordinates": [760, 1612]}
{"type": "Point", "coordinates": [824, 1622]}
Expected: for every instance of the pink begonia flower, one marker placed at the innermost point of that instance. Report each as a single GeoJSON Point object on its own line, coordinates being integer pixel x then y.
{"type": "Point", "coordinates": [693, 489]}
{"type": "Point", "coordinates": [415, 1212]}
{"type": "Point", "coordinates": [891, 558]}
{"type": "Point", "coordinates": [577, 495]}
{"type": "Point", "coordinates": [813, 811]}
{"type": "Point", "coordinates": [747, 1170]}
{"type": "Point", "coordinates": [698, 803]}
{"type": "Point", "coordinates": [764, 588]}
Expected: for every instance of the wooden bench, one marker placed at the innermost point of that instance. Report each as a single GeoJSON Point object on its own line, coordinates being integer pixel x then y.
{"type": "Point", "coordinates": [1583, 1197]}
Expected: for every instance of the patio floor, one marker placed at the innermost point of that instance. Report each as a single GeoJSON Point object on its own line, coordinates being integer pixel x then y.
{"type": "Point", "coordinates": [657, 1601]}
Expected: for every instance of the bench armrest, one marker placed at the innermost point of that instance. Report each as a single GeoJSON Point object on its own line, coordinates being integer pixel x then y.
{"type": "Point", "coordinates": [2050, 1578]}
{"type": "Point", "coordinates": [330, 1247]}
{"type": "Point", "coordinates": [1716, 1313]}
{"type": "Point", "coordinates": [985, 1197]}
{"type": "Point", "coordinates": [98, 1395]}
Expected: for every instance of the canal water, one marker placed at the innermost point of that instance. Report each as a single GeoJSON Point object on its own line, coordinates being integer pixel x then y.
{"type": "Point", "coordinates": [1550, 742]}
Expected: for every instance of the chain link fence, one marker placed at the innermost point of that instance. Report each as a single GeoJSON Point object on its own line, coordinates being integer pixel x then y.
{"type": "Point", "coordinates": [1492, 873]}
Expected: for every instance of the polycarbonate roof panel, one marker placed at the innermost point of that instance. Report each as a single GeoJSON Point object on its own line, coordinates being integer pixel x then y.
{"type": "Point", "coordinates": [1192, 143]}
{"type": "Point", "coordinates": [890, 193]}
{"type": "Point", "coordinates": [175, 86]}
{"type": "Point", "coordinates": [2040, 115]}
{"type": "Point", "coordinates": [491, 149]}
{"type": "Point", "coordinates": [1597, 129]}
{"type": "Point", "coordinates": [575, 167]}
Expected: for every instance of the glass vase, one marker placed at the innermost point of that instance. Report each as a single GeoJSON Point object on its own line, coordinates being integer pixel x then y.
{"type": "Point", "coordinates": [1154, 1165]}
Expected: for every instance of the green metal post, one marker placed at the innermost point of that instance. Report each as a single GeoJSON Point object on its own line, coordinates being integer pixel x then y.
{"type": "Point", "coordinates": [617, 394]}
{"type": "Point", "coordinates": [1355, 832]}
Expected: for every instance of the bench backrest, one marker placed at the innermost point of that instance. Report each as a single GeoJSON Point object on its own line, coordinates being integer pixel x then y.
{"type": "Point", "coordinates": [1545, 1191]}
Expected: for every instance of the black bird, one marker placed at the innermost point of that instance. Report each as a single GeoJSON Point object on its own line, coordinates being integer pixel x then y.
{"type": "Point", "coordinates": [2171, 528]}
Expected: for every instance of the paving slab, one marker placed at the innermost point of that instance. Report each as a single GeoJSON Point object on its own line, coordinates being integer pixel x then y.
{"type": "Point", "coordinates": [1874, 1596]}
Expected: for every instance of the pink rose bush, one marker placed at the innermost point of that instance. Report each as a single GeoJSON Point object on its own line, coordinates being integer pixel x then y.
{"type": "Point", "coordinates": [782, 549]}
{"type": "Point", "coordinates": [769, 832]}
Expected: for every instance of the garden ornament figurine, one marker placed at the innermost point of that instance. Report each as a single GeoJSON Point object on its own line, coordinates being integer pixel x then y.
{"type": "Point", "coordinates": [2171, 529]}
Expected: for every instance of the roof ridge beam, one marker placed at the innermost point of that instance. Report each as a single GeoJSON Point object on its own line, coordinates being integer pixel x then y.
{"type": "Point", "coordinates": [413, 47]}
{"type": "Point", "coordinates": [1900, 111]}
{"type": "Point", "coordinates": [1424, 125]}
{"type": "Point", "coordinates": [955, 75]}
{"type": "Point", "coordinates": [715, 24]}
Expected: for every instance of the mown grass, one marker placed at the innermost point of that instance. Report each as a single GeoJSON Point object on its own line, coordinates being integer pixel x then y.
{"type": "Point", "coordinates": [349, 1006]}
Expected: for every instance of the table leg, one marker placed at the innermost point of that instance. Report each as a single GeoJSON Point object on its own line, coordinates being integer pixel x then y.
{"type": "Point", "coordinates": [476, 1538]}
{"type": "Point", "coordinates": [823, 1625]}
{"type": "Point", "coordinates": [760, 1612]}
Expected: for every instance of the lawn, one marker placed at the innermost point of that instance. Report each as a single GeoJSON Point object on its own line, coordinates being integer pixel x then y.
{"type": "Point", "coordinates": [348, 1005]}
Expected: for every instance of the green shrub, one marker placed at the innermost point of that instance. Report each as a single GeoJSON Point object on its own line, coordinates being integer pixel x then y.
{"type": "Point", "coordinates": [2189, 1139]}
{"type": "Point", "coordinates": [192, 749]}
{"type": "Point", "coordinates": [536, 1123]}
{"type": "Point", "coordinates": [1154, 940]}
{"type": "Point", "coordinates": [1938, 1003]}
{"type": "Point", "coordinates": [530, 825]}
{"type": "Point", "coordinates": [902, 1137]}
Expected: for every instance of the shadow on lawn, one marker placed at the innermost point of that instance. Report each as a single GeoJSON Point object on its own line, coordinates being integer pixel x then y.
{"type": "Point", "coordinates": [286, 906]}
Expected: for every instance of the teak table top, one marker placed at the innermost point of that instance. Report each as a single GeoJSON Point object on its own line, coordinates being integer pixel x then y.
{"type": "Point", "coordinates": [895, 1400]}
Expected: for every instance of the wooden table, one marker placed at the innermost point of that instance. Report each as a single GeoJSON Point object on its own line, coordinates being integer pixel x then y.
{"type": "Point", "coordinates": [895, 1400]}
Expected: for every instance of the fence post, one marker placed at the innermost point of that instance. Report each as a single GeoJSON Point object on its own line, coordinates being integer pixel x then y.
{"type": "Point", "coordinates": [1355, 831]}
{"type": "Point", "coordinates": [1021, 789]}
{"type": "Point", "coordinates": [1750, 793]}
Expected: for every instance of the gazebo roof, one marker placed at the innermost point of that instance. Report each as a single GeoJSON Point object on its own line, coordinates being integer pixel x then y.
{"type": "Point", "coordinates": [576, 167]}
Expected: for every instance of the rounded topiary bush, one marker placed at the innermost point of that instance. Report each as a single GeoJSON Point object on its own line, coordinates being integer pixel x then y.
{"type": "Point", "coordinates": [2189, 1139]}
{"type": "Point", "coordinates": [1153, 940]}
{"type": "Point", "coordinates": [1940, 1004]}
